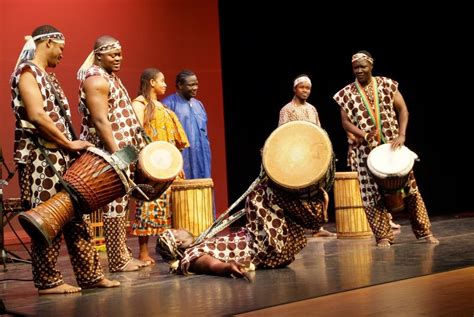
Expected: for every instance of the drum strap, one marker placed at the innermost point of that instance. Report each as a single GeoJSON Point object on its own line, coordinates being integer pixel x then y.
{"type": "Point", "coordinates": [60, 104]}
{"type": "Point", "coordinates": [224, 219]}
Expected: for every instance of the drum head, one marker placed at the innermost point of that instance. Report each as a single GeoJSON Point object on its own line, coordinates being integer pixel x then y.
{"type": "Point", "coordinates": [160, 160]}
{"type": "Point", "coordinates": [384, 161]}
{"type": "Point", "coordinates": [297, 154]}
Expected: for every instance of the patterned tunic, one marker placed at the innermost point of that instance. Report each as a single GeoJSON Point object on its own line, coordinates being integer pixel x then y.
{"type": "Point", "coordinates": [152, 218]}
{"type": "Point", "coordinates": [293, 112]}
{"type": "Point", "coordinates": [123, 122]}
{"type": "Point", "coordinates": [26, 154]}
{"type": "Point", "coordinates": [351, 102]}
{"type": "Point", "coordinates": [274, 233]}
{"type": "Point", "coordinates": [38, 183]}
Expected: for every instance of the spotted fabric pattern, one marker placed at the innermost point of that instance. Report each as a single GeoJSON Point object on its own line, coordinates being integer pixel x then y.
{"type": "Point", "coordinates": [115, 233]}
{"type": "Point", "coordinates": [123, 122]}
{"type": "Point", "coordinates": [274, 233]}
{"type": "Point", "coordinates": [293, 112]}
{"type": "Point", "coordinates": [38, 183]}
{"type": "Point", "coordinates": [348, 98]}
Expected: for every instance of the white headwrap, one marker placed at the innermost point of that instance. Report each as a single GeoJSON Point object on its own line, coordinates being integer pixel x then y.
{"type": "Point", "coordinates": [358, 56]}
{"type": "Point", "coordinates": [29, 49]}
{"type": "Point", "coordinates": [103, 49]}
{"type": "Point", "coordinates": [302, 79]}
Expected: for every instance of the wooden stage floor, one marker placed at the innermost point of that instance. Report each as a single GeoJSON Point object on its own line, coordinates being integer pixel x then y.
{"type": "Point", "coordinates": [330, 277]}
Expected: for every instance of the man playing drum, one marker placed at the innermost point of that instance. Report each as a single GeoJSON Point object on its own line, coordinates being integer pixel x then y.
{"type": "Point", "coordinates": [43, 123]}
{"type": "Point", "coordinates": [374, 111]}
{"type": "Point", "coordinates": [298, 109]}
{"type": "Point", "coordinates": [109, 122]}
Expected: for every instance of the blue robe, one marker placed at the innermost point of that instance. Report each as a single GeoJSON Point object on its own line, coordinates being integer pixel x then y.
{"type": "Point", "coordinates": [193, 117]}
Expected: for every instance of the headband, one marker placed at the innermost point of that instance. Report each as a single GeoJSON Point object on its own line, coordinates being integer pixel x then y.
{"type": "Point", "coordinates": [302, 79]}
{"type": "Point", "coordinates": [29, 49]}
{"type": "Point", "coordinates": [168, 249]}
{"type": "Point", "coordinates": [358, 56]}
{"type": "Point", "coordinates": [103, 49]}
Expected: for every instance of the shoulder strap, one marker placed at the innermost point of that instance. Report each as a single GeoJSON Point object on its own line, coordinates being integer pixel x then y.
{"type": "Point", "coordinates": [60, 103]}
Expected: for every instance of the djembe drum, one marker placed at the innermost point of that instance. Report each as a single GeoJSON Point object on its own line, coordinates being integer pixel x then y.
{"type": "Point", "coordinates": [96, 178]}
{"type": "Point", "coordinates": [298, 158]}
{"type": "Point", "coordinates": [390, 169]}
{"type": "Point", "coordinates": [351, 221]}
{"type": "Point", "coordinates": [192, 204]}
{"type": "Point", "coordinates": [159, 163]}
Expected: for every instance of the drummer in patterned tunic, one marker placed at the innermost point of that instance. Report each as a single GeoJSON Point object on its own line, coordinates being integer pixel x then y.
{"type": "Point", "coordinates": [42, 126]}
{"type": "Point", "coordinates": [274, 233]}
{"type": "Point", "coordinates": [374, 111]}
{"type": "Point", "coordinates": [110, 123]}
{"type": "Point", "coordinates": [299, 109]}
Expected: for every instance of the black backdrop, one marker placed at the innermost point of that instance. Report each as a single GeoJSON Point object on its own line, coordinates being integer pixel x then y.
{"type": "Point", "coordinates": [264, 47]}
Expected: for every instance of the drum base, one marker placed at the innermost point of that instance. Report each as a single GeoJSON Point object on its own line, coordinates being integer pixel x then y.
{"type": "Point", "coordinates": [44, 222]}
{"type": "Point", "coordinates": [34, 227]}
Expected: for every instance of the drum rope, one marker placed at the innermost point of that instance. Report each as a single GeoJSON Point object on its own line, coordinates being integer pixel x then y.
{"type": "Point", "coordinates": [222, 222]}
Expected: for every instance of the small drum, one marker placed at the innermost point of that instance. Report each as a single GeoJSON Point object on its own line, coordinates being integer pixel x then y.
{"type": "Point", "coordinates": [159, 163]}
{"type": "Point", "coordinates": [96, 177]}
{"type": "Point", "coordinates": [390, 169]}
{"type": "Point", "coordinates": [298, 157]}
{"type": "Point", "coordinates": [351, 221]}
{"type": "Point", "coordinates": [192, 204]}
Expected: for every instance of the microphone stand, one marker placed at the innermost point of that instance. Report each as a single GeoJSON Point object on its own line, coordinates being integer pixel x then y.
{"type": "Point", "coordinates": [5, 254]}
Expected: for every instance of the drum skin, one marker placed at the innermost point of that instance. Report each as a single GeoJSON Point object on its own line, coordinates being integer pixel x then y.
{"type": "Point", "coordinates": [298, 157]}
{"type": "Point", "coordinates": [390, 169]}
{"type": "Point", "coordinates": [159, 163]}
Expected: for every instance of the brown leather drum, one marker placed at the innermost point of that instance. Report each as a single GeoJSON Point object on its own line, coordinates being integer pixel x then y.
{"type": "Point", "coordinates": [159, 163]}
{"type": "Point", "coordinates": [298, 157]}
{"type": "Point", "coordinates": [97, 179]}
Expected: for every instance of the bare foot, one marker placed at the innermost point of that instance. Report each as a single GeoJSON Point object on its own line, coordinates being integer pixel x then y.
{"type": "Point", "coordinates": [384, 243]}
{"type": "Point", "coordinates": [394, 225]}
{"type": "Point", "coordinates": [130, 267]}
{"type": "Point", "coordinates": [105, 283]}
{"type": "Point", "coordinates": [61, 289]}
{"type": "Point", "coordinates": [431, 240]}
{"type": "Point", "coordinates": [141, 263]}
{"type": "Point", "coordinates": [323, 233]}
{"type": "Point", "coordinates": [147, 259]}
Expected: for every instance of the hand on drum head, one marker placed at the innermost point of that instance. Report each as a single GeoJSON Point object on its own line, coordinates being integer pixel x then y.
{"type": "Point", "coordinates": [78, 145]}
{"type": "Point", "coordinates": [398, 142]}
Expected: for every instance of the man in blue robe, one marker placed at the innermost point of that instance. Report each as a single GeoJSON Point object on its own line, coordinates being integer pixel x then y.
{"type": "Point", "coordinates": [193, 117]}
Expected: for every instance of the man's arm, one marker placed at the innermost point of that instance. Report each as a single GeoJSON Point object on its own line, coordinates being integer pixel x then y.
{"type": "Point", "coordinates": [402, 113]}
{"type": "Point", "coordinates": [33, 101]}
{"type": "Point", "coordinates": [97, 92]}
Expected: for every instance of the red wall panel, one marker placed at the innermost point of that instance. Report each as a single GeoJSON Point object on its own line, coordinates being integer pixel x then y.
{"type": "Point", "coordinates": [167, 34]}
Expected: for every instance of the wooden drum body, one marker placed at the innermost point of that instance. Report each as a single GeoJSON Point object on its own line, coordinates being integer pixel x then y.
{"type": "Point", "coordinates": [192, 204]}
{"type": "Point", "coordinates": [96, 178]}
{"type": "Point", "coordinates": [351, 221]}
{"type": "Point", "coordinates": [159, 163]}
{"type": "Point", "coordinates": [390, 169]}
{"type": "Point", "coordinates": [298, 157]}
